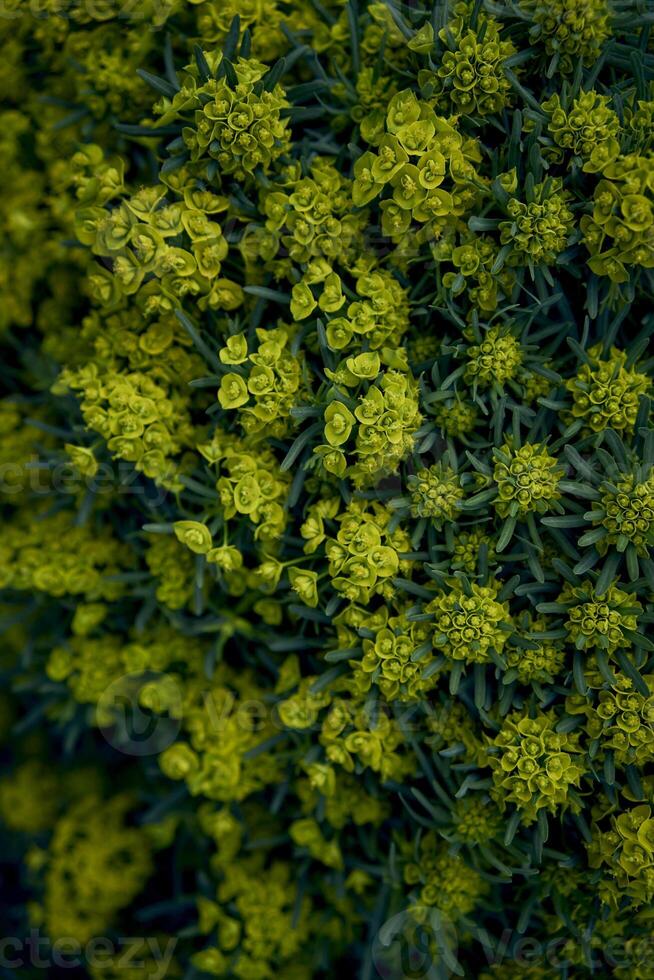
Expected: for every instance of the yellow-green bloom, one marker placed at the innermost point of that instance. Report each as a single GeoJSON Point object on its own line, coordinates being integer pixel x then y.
{"type": "Point", "coordinates": [338, 423]}
{"type": "Point", "coordinates": [196, 536]}
{"type": "Point", "coordinates": [469, 625]}
{"type": "Point", "coordinates": [436, 493]}
{"type": "Point", "coordinates": [606, 393]}
{"type": "Point", "coordinates": [527, 480]}
{"type": "Point", "coordinates": [83, 459]}
{"type": "Point", "coordinates": [233, 392]}
{"type": "Point", "coordinates": [178, 761]}
{"type": "Point", "coordinates": [302, 301]}
{"type": "Point", "coordinates": [305, 583]}
{"type": "Point", "coordinates": [534, 766]}
{"type": "Point", "coordinates": [599, 621]}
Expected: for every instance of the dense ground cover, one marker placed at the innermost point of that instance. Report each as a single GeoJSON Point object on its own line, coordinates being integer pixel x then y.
{"type": "Point", "coordinates": [326, 488]}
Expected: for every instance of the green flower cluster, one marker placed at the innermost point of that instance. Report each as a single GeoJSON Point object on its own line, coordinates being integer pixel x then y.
{"type": "Point", "coordinates": [476, 820]}
{"type": "Point", "coordinates": [527, 480]}
{"type": "Point", "coordinates": [534, 766]}
{"type": "Point", "coordinates": [619, 231]}
{"type": "Point", "coordinates": [606, 392]}
{"type": "Point", "coordinates": [443, 881]}
{"type": "Point", "coordinates": [382, 421]}
{"type": "Point", "coordinates": [470, 73]}
{"type": "Point", "coordinates": [621, 722]}
{"type": "Point", "coordinates": [422, 161]}
{"type": "Point", "coordinates": [626, 853]}
{"type": "Point", "coordinates": [539, 229]}
{"type": "Point", "coordinates": [540, 659]}
{"type": "Point", "coordinates": [397, 660]}
{"type": "Point", "coordinates": [436, 493]}
{"type": "Point", "coordinates": [94, 866]}
{"type": "Point", "coordinates": [378, 318]}
{"type": "Point", "coordinates": [365, 552]}
{"type": "Point", "coordinates": [627, 512]}
{"type": "Point", "coordinates": [54, 556]}
{"type": "Point", "coordinates": [570, 30]}
{"type": "Point", "coordinates": [272, 380]}
{"type": "Point", "coordinates": [588, 129]}
{"type": "Point", "coordinates": [263, 923]}
{"type": "Point", "coordinates": [470, 624]}
{"type": "Point", "coordinates": [599, 621]}
{"type": "Point", "coordinates": [495, 360]}
{"type": "Point", "coordinates": [310, 219]}
{"type": "Point", "coordinates": [474, 260]}
{"type": "Point", "coordinates": [233, 118]}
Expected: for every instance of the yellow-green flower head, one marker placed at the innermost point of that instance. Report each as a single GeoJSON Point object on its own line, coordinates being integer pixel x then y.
{"type": "Point", "coordinates": [339, 422]}
{"type": "Point", "coordinates": [627, 852]}
{"type": "Point", "coordinates": [196, 536]}
{"type": "Point", "coordinates": [228, 558]}
{"type": "Point", "coordinates": [306, 833]}
{"type": "Point", "coordinates": [589, 123]}
{"type": "Point", "coordinates": [389, 661]}
{"type": "Point", "coordinates": [305, 584]}
{"type": "Point", "coordinates": [436, 493]}
{"type": "Point", "coordinates": [476, 820]}
{"type": "Point", "coordinates": [468, 626]}
{"type": "Point", "coordinates": [527, 480]}
{"type": "Point", "coordinates": [495, 360]}
{"type": "Point", "coordinates": [465, 555]}
{"type": "Point", "coordinates": [640, 120]}
{"type": "Point", "coordinates": [364, 556]}
{"type": "Point", "coordinates": [424, 347]}
{"type": "Point", "coordinates": [606, 393]}
{"type": "Point", "coordinates": [570, 29]}
{"type": "Point", "coordinates": [599, 622]}
{"type": "Point", "coordinates": [388, 415]}
{"type": "Point", "coordinates": [626, 510]}
{"type": "Point", "coordinates": [536, 766]}
{"type": "Point", "coordinates": [473, 260]}
{"type": "Point", "coordinates": [96, 865]}
{"type": "Point", "coordinates": [619, 232]}
{"type": "Point", "coordinates": [538, 231]}
{"type": "Point", "coordinates": [471, 74]}
{"type": "Point", "coordinates": [542, 660]}
{"type": "Point", "coordinates": [444, 879]}
{"type": "Point", "coordinates": [88, 616]}
{"type": "Point", "coordinates": [457, 418]}
{"type": "Point", "coordinates": [82, 459]}
{"type": "Point", "coordinates": [622, 721]}
{"type": "Point", "coordinates": [242, 127]}
{"type": "Point", "coordinates": [53, 555]}
{"type": "Point", "coordinates": [233, 392]}
{"type": "Point", "coordinates": [179, 761]}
